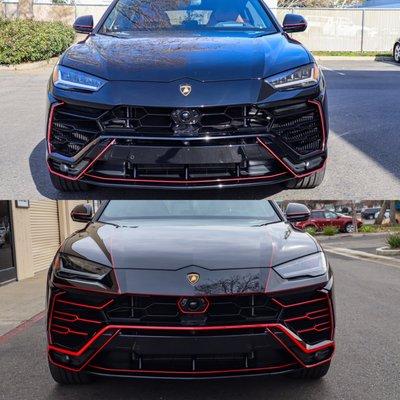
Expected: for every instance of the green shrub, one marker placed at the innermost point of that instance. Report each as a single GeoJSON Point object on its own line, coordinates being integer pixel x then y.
{"type": "Point", "coordinates": [330, 230]}
{"type": "Point", "coordinates": [393, 240]}
{"type": "Point", "coordinates": [368, 229]}
{"type": "Point", "coordinates": [311, 230]}
{"type": "Point", "coordinates": [27, 40]}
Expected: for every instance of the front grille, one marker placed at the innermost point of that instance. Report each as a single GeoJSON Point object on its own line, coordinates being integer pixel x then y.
{"type": "Point", "coordinates": [73, 128]}
{"type": "Point", "coordinates": [151, 310]}
{"type": "Point", "coordinates": [299, 127]}
{"type": "Point", "coordinates": [309, 316]}
{"type": "Point", "coordinates": [163, 121]}
{"type": "Point", "coordinates": [76, 318]}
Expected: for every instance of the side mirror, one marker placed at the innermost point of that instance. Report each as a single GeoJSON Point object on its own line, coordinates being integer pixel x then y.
{"type": "Point", "coordinates": [296, 212]}
{"type": "Point", "coordinates": [82, 213]}
{"type": "Point", "coordinates": [294, 23]}
{"type": "Point", "coordinates": [83, 24]}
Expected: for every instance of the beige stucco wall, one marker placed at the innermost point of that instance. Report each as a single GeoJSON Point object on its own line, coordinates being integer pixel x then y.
{"type": "Point", "coordinates": [67, 226]}
{"type": "Point", "coordinates": [22, 241]}
{"type": "Point", "coordinates": [23, 237]}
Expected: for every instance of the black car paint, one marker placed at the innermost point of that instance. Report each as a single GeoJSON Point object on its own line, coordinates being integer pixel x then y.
{"type": "Point", "coordinates": [153, 259]}
{"type": "Point", "coordinates": [223, 68]}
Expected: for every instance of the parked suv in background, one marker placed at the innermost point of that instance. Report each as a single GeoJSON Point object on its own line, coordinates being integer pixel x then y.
{"type": "Point", "coordinates": [187, 94]}
{"type": "Point", "coordinates": [189, 289]}
{"type": "Point", "coordinates": [369, 213]}
{"type": "Point", "coordinates": [319, 219]}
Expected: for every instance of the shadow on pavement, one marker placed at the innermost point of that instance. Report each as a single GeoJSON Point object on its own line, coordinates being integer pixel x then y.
{"type": "Point", "coordinates": [366, 118]}
{"type": "Point", "coordinates": [271, 387]}
{"type": "Point", "coordinates": [45, 188]}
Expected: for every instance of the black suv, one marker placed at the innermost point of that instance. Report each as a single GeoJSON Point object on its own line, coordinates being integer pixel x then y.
{"type": "Point", "coordinates": [189, 289]}
{"type": "Point", "coordinates": [187, 94]}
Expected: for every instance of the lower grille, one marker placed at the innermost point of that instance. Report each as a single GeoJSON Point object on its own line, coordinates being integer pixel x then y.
{"type": "Point", "coordinates": [309, 316]}
{"type": "Point", "coordinates": [166, 121]}
{"type": "Point", "coordinates": [151, 310]}
{"type": "Point", "coordinates": [141, 338]}
{"type": "Point", "coordinates": [73, 128]}
{"type": "Point", "coordinates": [300, 127]}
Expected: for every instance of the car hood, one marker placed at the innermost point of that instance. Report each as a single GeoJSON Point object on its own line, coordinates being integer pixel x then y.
{"type": "Point", "coordinates": [156, 257]}
{"type": "Point", "coordinates": [150, 57]}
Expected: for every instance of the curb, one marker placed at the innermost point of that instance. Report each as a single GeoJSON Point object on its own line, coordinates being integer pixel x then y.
{"type": "Point", "coordinates": [362, 255]}
{"type": "Point", "coordinates": [387, 251]}
{"type": "Point", "coordinates": [322, 237]}
{"type": "Point", "coordinates": [29, 66]}
{"type": "Point", "coordinates": [353, 58]}
{"type": "Point", "coordinates": [24, 325]}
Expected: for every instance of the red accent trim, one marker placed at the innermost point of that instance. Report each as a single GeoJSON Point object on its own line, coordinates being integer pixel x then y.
{"type": "Point", "coordinates": [62, 330]}
{"type": "Point", "coordinates": [308, 316]}
{"type": "Point", "coordinates": [294, 338]}
{"type": "Point", "coordinates": [297, 358]}
{"type": "Point", "coordinates": [79, 176]}
{"type": "Point", "coordinates": [50, 122]}
{"type": "Point", "coordinates": [213, 372]}
{"type": "Point", "coordinates": [113, 265]}
{"type": "Point", "coordinates": [49, 321]}
{"type": "Point", "coordinates": [322, 117]}
{"type": "Point", "coordinates": [297, 304]}
{"type": "Point", "coordinates": [89, 359]}
{"type": "Point", "coordinates": [86, 305]}
{"type": "Point", "coordinates": [178, 303]}
{"type": "Point", "coordinates": [74, 318]}
{"type": "Point", "coordinates": [317, 328]}
{"type": "Point", "coordinates": [184, 182]}
{"type": "Point", "coordinates": [287, 167]}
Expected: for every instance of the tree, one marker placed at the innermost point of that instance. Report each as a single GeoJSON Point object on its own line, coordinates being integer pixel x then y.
{"type": "Point", "coordinates": [393, 212]}
{"type": "Point", "coordinates": [25, 9]}
{"type": "Point", "coordinates": [381, 214]}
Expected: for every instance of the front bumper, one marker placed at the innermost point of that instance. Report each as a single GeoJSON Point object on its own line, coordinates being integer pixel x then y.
{"type": "Point", "coordinates": [277, 152]}
{"type": "Point", "coordinates": [103, 335]}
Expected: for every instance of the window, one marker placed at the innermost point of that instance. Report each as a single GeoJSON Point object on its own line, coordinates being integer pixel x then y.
{"type": "Point", "coordinates": [129, 16]}
{"type": "Point", "coordinates": [330, 214]}
{"type": "Point", "coordinates": [317, 214]}
{"type": "Point", "coordinates": [118, 210]}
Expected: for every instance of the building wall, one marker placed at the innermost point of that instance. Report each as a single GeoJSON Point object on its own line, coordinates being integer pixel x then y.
{"type": "Point", "coordinates": [26, 246]}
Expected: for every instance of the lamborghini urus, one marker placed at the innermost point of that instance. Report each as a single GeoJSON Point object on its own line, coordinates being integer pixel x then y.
{"type": "Point", "coordinates": [187, 94]}
{"type": "Point", "coordinates": [189, 289]}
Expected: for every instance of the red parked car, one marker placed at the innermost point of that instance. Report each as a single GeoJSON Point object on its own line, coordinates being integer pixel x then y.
{"type": "Point", "coordinates": [322, 218]}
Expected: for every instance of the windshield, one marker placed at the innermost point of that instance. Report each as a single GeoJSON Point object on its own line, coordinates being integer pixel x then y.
{"type": "Point", "coordinates": [188, 209]}
{"type": "Point", "coordinates": [128, 16]}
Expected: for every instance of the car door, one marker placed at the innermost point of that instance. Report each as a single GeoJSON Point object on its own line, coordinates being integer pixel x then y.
{"type": "Point", "coordinates": [331, 219]}
{"type": "Point", "coordinates": [318, 218]}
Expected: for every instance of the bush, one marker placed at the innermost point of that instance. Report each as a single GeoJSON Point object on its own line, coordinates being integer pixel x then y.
{"type": "Point", "coordinates": [311, 230]}
{"type": "Point", "coordinates": [27, 40]}
{"type": "Point", "coordinates": [368, 229]}
{"type": "Point", "coordinates": [330, 230]}
{"type": "Point", "coordinates": [393, 240]}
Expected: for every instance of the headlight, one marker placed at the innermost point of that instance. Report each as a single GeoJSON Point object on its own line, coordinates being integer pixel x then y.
{"type": "Point", "coordinates": [305, 76]}
{"type": "Point", "coordinates": [67, 266]}
{"type": "Point", "coordinates": [68, 78]}
{"type": "Point", "coordinates": [309, 266]}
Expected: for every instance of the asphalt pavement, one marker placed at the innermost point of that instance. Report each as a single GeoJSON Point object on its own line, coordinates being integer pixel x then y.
{"type": "Point", "coordinates": [363, 144]}
{"type": "Point", "coordinates": [366, 365]}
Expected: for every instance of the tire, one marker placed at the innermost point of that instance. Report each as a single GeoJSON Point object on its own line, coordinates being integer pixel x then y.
{"type": "Point", "coordinates": [311, 373]}
{"type": "Point", "coordinates": [64, 185]}
{"type": "Point", "coordinates": [349, 228]}
{"type": "Point", "coordinates": [396, 52]}
{"type": "Point", "coordinates": [309, 182]}
{"type": "Point", "coordinates": [64, 377]}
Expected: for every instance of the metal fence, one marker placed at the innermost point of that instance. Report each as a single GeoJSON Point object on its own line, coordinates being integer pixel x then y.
{"type": "Point", "coordinates": [348, 29]}
{"type": "Point", "coordinates": [329, 29]}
